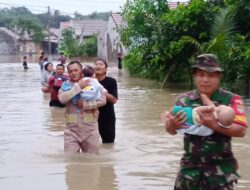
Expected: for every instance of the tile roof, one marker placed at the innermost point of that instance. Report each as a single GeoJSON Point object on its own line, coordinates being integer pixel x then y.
{"type": "Point", "coordinates": [89, 27]}
{"type": "Point", "coordinates": [117, 17]}
{"type": "Point", "coordinates": [173, 5]}
{"type": "Point", "coordinates": [11, 33]}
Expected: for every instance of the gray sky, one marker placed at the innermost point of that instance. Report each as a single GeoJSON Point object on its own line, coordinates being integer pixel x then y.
{"type": "Point", "coordinates": [84, 7]}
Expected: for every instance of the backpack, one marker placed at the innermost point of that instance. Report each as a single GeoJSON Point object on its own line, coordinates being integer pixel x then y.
{"type": "Point", "coordinates": [57, 81]}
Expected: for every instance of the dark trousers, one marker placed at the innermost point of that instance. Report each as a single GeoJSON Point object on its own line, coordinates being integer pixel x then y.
{"type": "Point", "coordinates": [107, 131]}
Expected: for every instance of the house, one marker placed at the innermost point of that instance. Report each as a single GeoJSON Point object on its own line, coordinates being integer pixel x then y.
{"type": "Point", "coordinates": [12, 42]}
{"type": "Point", "coordinates": [109, 42]}
{"type": "Point", "coordinates": [84, 28]}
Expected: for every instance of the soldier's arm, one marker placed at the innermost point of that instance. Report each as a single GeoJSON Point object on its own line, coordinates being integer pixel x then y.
{"type": "Point", "coordinates": [172, 123]}
{"type": "Point", "coordinates": [237, 129]}
{"type": "Point", "coordinates": [234, 130]}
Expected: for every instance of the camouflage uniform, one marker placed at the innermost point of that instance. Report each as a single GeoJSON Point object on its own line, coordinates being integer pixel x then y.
{"type": "Point", "coordinates": [208, 162]}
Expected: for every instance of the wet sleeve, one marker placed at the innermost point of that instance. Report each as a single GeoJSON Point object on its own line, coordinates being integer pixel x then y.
{"type": "Point", "coordinates": [238, 107]}
{"type": "Point", "coordinates": [43, 81]}
{"type": "Point", "coordinates": [65, 96]}
{"type": "Point", "coordinates": [51, 80]}
{"type": "Point", "coordinates": [87, 105]}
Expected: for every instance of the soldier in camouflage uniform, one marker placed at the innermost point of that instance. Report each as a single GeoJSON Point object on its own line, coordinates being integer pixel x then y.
{"type": "Point", "coordinates": [208, 162]}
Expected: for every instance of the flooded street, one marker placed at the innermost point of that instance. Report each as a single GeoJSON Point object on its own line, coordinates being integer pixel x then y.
{"type": "Point", "coordinates": [144, 156]}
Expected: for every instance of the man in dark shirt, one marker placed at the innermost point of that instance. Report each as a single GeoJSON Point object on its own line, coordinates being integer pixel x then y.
{"type": "Point", "coordinates": [106, 118]}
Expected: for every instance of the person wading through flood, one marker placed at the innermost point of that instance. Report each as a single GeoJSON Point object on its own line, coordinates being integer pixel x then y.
{"type": "Point", "coordinates": [208, 162]}
{"type": "Point", "coordinates": [106, 118]}
{"type": "Point", "coordinates": [81, 133]}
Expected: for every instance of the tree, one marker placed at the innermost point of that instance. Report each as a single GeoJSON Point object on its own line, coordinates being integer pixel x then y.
{"type": "Point", "coordinates": [241, 10]}
{"type": "Point", "coordinates": [68, 43]}
{"type": "Point", "coordinates": [71, 47]}
{"type": "Point", "coordinates": [153, 37]}
{"type": "Point", "coordinates": [89, 47]}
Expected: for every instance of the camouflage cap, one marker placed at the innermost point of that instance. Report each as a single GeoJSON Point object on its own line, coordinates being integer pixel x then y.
{"type": "Point", "coordinates": [208, 62]}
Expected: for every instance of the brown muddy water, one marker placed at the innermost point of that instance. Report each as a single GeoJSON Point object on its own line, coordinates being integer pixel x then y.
{"type": "Point", "coordinates": [144, 156]}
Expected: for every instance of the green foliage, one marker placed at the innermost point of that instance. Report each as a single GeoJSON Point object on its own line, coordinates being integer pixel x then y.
{"type": "Point", "coordinates": [163, 43]}
{"type": "Point", "coordinates": [144, 35]}
{"type": "Point", "coordinates": [32, 27]}
{"type": "Point", "coordinates": [89, 47]}
{"type": "Point", "coordinates": [71, 47]}
{"type": "Point", "coordinates": [155, 31]}
{"type": "Point", "coordinates": [241, 10]}
{"type": "Point", "coordinates": [22, 20]}
{"type": "Point", "coordinates": [221, 31]}
{"type": "Point", "coordinates": [236, 66]}
{"type": "Point", "coordinates": [68, 44]}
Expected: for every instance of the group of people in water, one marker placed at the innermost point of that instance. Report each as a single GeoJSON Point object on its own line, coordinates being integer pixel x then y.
{"type": "Point", "coordinates": [208, 117]}
{"type": "Point", "coordinates": [88, 96]}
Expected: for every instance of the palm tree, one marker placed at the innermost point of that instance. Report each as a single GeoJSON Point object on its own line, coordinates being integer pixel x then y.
{"type": "Point", "coordinates": [221, 30]}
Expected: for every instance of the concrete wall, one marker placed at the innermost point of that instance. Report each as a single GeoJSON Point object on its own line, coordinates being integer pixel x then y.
{"type": "Point", "coordinates": [6, 44]}
{"type": "Point", "coordinates": [109, 43]}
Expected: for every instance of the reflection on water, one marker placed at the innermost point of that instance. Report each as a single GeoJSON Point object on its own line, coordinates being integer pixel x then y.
{"type": "Point", "coordinates": [18, 58]}
{"type": "Point", "coordinates": [93, 176]}
{"type": "Point", "coordinates": [143, 157]}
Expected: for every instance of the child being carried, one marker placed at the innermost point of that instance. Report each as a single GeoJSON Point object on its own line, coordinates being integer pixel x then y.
{"type": "Point", "coordinates": [92, 91]}
{"type": "Point", "coordinates": [224, 115]}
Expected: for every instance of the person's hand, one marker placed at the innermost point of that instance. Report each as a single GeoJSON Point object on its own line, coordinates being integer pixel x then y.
{"type": "Point", "coordinates": [83, 83]}
{"type": "Point", "coordinates": [207, 118]}
{"type": "Point", "coordinates": [45, 89]}
{"type": "Point", "coordinates": [173, 122]}
{"type": "Point", "coordinates": [80, 104]}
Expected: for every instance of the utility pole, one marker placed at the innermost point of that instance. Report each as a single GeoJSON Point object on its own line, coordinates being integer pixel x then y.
{"type": "Point", "coordinates": [15, 40]}
{"type": "Point", "coordinates": [49, 44]}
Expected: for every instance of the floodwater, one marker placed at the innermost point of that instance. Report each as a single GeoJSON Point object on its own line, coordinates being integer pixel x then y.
{"type": "Point", "coordinates": [144, 156]}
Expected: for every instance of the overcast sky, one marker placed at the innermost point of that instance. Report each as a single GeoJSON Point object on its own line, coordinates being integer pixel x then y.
{"type": "Point", "coordinates": [68, 7]}
{"type": "Point", "coordinates": [84, 7]}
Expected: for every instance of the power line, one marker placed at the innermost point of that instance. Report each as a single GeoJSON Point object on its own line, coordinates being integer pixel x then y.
{"type": "Point", "coordinates": [19, 5]}
{"type": "Point", "coordinates": [96, 1]}
{"type": "Point", "coordinates": [14, 4]}
{"type": "Point", "coordinates": [63, 12]}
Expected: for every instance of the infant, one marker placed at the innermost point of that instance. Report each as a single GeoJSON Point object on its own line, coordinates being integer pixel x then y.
{"type": "Point", "coordinates": [224, 115]}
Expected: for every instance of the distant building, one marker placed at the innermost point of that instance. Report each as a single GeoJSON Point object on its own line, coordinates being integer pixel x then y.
{"type": "Point", "coordinates": [84, 28]}
{"type": "Point", "coordinates": [12, 42]}
{"type": "Point", "coordinates": [109, 42]}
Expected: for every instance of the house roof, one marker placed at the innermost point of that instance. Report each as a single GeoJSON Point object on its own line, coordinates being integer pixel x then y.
{"type": "Point", "coordinates": [26, 36]}
{"type": "Point", "coordinates": [88, 27]}
{"type": "Point", "coordinates": [11, 33]}
{"type": "Point", "coordinates": [117, 17]}
{"type": "Point", "coordinates": [173, 5]}
{"type": "Point", "coordinates": [55, 31]}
